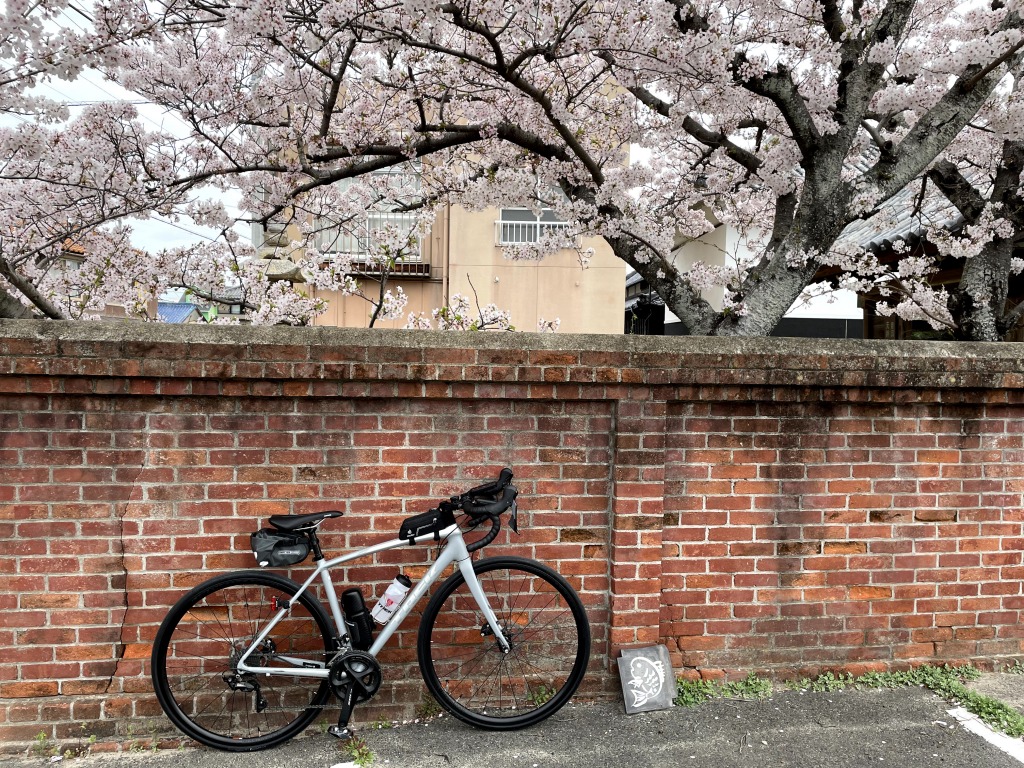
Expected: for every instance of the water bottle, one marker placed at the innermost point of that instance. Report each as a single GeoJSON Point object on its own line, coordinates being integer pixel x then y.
{"type": "Point", "coordinates": [393, 597]}
{"type": "Point", "coordinates": [357, 621]}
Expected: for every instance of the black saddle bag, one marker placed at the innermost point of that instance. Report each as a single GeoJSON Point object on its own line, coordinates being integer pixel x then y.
{"type": "Point", "coordinates": [278, 548]}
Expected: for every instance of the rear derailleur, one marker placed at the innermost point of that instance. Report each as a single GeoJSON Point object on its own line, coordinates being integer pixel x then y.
{"type": "Point", "coordinates": [355, 677]}
{"type": "Point", "coordinates": [247, 683]}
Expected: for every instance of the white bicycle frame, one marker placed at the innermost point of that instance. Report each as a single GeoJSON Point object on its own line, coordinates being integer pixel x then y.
{"type": "Point", "coordinates": [454, 551]}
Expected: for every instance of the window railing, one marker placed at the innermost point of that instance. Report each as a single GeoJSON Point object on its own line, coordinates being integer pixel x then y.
{"type": "Point", "coordinates": [525, 232]}
{"type": "Point", "coordinates": [361, 238]}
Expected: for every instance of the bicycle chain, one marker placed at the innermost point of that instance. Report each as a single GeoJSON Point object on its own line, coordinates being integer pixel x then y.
{"type": "Point", "coordinates": [301, 654]}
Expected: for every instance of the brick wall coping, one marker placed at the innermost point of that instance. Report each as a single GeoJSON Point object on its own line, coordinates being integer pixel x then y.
{"type": "Point", "coordinates": [127, 349]}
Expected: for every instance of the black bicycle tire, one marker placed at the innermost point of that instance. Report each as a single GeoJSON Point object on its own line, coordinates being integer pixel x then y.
{"type": "Point", "coordinates": [165, 695]}
{"type": "Point", "coordinates": [529, 717]}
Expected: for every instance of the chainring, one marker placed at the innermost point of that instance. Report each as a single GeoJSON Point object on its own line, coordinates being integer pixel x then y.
{"type": "Point", "coordinates": [357, 670]}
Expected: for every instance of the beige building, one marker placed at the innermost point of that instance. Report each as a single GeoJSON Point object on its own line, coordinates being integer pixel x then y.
{"type": "Point", "coordinates": [465, 250]}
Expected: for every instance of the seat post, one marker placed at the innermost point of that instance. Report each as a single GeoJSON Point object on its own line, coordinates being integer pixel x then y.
{"type": "Point", "coordinates": [314, 543]}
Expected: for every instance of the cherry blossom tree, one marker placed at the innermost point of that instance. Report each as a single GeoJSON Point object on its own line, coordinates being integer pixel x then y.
{"type": "Point", "coordinates": [991, 223]}
{"type": "Point", "coordinates": [789, 121]}
{"type": "Point", "coordinates": [958, 225]}
{"type": "Point", "coordinates": [973, 214]}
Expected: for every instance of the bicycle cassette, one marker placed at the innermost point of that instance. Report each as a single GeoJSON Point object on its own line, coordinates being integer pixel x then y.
{"type": "Point", "coordinates": [358, 671]}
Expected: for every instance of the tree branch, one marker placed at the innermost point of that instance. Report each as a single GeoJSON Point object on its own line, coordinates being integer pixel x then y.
{"type": "Point", "coordinates": [779, 88]}
{"type": "Point", "coordinates": [12, 309]}
{"type": "Point", "coordinates": [697, 314]}
{"type": "Point", "coordinates": [30, 291]}
{"type": "Point", "coordinates": [971, 82]}
{"type": "Point", "coordinates": [936, 128]}
{"type": "Point", "coordinates": [1013, 316]}
{"type": "Point", "coordinates": [884, 145]}
{"type": "Point", "coordinates": [957, 189]}
{"type": "Point", "coordinates": [782, 224]}
{"type": "Point", "coordinates": [833, 19]}
{"type": "Point", "coordinates": [707, 137]}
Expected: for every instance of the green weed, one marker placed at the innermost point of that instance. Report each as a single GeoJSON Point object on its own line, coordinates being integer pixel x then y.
{"type": "Point", "coordinates": [42, 746]}
{"type": "Point", "coordinates": [689, 693]}
{"type": "Point", "coordinates": [83, 745]}
{"type": "Point", "coordinates": [428, 708]}
{"type": "Point", "coordinates": [358, 750]}
{"type": "Point", "coordinates": [751, 687]}
{"type": "Point", "coordinates": [946, 681]}
{"type": "Point", "coordinates": [827, 681]}
{"type": "Point", "coordinates": [1017, 668]}
{"type": "Point", "coordinates": [540, 695]}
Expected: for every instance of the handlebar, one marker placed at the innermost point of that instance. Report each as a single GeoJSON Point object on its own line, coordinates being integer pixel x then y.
{"type": "Point", "coordinates": [489, 500]}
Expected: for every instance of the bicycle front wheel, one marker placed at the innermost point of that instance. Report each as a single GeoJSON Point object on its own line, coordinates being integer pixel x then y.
{"type": "Point", "coordinates": [466, 670]}
{"type": "Point", "coordinates": [198, 646]}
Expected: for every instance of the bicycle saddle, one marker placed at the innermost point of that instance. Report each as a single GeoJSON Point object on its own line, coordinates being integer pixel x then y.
{"type": "Point", "coordinates": [298, 522]}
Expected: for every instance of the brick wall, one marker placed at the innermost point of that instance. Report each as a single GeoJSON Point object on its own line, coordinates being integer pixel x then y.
{"type": "Point", "coordinates": [772, 505]}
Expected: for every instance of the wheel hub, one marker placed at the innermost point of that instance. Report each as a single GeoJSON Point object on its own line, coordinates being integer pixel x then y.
{"type": "Point", "coordinates": [506, 630]}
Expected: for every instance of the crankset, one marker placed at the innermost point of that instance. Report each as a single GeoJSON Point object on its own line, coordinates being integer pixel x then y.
{"type": "Point", "coordinates": [355, 677]}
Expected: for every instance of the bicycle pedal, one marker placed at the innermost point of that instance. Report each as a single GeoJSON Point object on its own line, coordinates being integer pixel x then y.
{"type": "Point", "coordinates": [340, 732]}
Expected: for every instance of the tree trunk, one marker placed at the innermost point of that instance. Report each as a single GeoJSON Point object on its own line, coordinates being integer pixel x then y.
{"type": "Point", "coordinates": [771, 289]}
{"type": "Point", "coordinates": [12, 309]}
{"type": "Point", "coordinates": [773, 296]}
{"type": "Point", "coordinates": [983, 290]}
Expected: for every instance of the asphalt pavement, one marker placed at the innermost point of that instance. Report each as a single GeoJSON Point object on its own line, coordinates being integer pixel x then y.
{"type": "Point", "coordinates": [908, 727]}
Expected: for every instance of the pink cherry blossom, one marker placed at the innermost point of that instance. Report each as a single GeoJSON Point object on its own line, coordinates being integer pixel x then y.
{"type": "Point", "coordinates": [788, 122]}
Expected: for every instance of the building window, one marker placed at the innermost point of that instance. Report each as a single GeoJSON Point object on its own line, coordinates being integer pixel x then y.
{"type": "Point", "coordinates": [521, 226]}
{"type": "Point", "coordinates": [396, 186]}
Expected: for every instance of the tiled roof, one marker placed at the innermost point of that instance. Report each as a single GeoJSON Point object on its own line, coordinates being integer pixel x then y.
{"type": "Point", "coordinates": [70, 246]}
{"type": "Point", "coordinates": [899, 221]}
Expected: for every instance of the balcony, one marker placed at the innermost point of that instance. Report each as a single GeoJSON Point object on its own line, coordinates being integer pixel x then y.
{"type": "Point", "coordinates": [508, 232]}
{"type": "Point", "coordinates": [361, 237]}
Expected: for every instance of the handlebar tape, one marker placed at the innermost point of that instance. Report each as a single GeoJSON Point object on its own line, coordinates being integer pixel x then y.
{"type": "Point", "coordinates": [491, 508]}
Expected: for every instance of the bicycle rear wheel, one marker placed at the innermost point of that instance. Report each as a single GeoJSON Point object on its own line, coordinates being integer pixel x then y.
{"type": "Point", "coordinates": [198, 646]}
{"type": "Point", "coordinates": [465, 669]}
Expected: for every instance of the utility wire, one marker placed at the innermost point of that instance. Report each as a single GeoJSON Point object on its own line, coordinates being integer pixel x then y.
{"type": "Point", "coordinates": [162, 220]}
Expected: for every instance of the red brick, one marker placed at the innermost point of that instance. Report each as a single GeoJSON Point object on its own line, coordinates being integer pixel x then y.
{"type": "Point", "coordinates": [870, 593]}
{"type": "Point", "coordinates": [742, 518]}
{"type": "Point", "coordinates": [26, 690]}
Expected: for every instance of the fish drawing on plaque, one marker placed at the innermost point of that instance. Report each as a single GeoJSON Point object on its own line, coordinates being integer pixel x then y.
{"type": "Point", "coordinates": [647, 678]}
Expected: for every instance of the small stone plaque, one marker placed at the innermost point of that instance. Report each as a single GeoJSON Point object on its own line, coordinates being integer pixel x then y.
{"type": "Point", "coordinates": [647, 680]}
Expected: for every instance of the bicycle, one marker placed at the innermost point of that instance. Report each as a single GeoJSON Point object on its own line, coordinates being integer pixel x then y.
{"type": "Point", "coordinates": [247, 660]}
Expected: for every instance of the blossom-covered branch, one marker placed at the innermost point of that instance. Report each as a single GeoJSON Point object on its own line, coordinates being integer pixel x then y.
{"type": "Point", "coordinates": [787, 123]}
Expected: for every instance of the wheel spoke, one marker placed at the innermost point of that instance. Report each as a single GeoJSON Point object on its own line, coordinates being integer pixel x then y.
{"type": "Point", "coordinates": [199, 645]}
